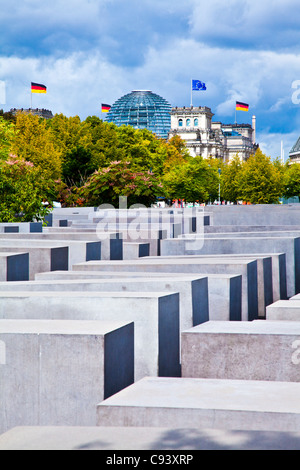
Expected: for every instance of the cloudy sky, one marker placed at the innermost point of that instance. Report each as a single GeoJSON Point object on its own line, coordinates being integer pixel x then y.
{"type": "Point", "coordinates": [89, 52]}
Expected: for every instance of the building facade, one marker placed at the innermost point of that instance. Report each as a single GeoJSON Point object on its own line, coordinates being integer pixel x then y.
{"type": "Point", "coordinates": [294, 154]}
{"type": "Point", "coordinates": [207, 138]}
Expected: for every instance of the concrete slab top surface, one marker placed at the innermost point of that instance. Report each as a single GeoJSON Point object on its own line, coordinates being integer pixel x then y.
{"type": "Point", "coordinates": [144, 438]}
{"type": "Point", "coordinates": [117, 280]}
{"type": "Point", "coordinates": [65, 327]}
{"type": "Point", "coordinates": [74, 275]}
{"type": "Point", "coordinates": [216, 394]}
{"type": "Point", "coordinates": [292, 303]}
{"type": "Point", "coordinates": [257, 327]}
{"type": "Point", "coordinates": [88, 295]}
{"type": "Point", "coordinates": [164, 261]}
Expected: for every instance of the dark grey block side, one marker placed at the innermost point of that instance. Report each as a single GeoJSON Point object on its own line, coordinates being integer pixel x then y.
{"type": "Point", "coordinates": [200, 301]}
{"type": "Point", "coordinates": [49, 220]}
{"type": "Point", "coordinates": [63, 223]}
{"type": "Point", "coordinates": [297, 265]}
{"type": "Point", "coordinates": [118, 360]}
{"type": "Point", "coordinates": [169, 336]}
{"type": "Point", "coordinates": [252, 291]}
{"type": "Point", "coordinates": [268, 281]}
{"type": "Point", "coordinates": [144, 250]}
{"type": "Point", "coordinates": [116, 248]}
{"type": "Point", "coordinates": [11, 229]}
{"type": "Point", "coordinates": [93, 251]}
{"type": "Point", "coordinates": [36, 227]}
{"type": "Point", "coordinates": [60, 259]}
{"type": "Point", "coordinates": [235, 299]}
{"type": "Point", "coordinates": [17, 267]}
{"type": "Point", "coordinates": [282, 276]}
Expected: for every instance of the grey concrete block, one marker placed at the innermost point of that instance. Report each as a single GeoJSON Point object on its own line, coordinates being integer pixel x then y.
{"type": "Point", "coordinates": [136, 250]}
{"type": "Point", "coordinates": [205, 403]}
{"type": "Point", "coordinates": [244, 245]}
{"type": "Point", "coordinates": [41, 259]}
{"type": "Point", "coordinates": [111, 242]}
{"type": "Point", "coordinates": [155, 315]}
{"type": "Point", "coordinates": [271, 273]}
{"type": "Point", "coordinates": [286, 310]}
{"type": "Point", "coordinates": [78, 251]}
{"type": "Point", "coordinates": [258, 350]}
{"type": "Point", "coordinates": [56, 372]}
{"type": "Point", "coordinates": [193, 290]}
{"type": "Point", "coordinates": [246, 268]}
{"type": "Point", "coordinates": [224, 298]}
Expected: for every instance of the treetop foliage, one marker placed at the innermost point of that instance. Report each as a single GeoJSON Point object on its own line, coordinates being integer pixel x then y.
{"type": "Point", "coordinates": [91, 162]}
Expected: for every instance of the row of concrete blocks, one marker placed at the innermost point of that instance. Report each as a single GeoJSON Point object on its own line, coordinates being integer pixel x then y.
{"type": "Point", "coordinates": [159, 319]}
{"type": "Point", "coordinates": [136, 410]}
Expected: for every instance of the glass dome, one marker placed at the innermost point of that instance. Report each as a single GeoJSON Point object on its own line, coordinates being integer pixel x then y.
{"type": "Point", "coordinates": [142, 109]}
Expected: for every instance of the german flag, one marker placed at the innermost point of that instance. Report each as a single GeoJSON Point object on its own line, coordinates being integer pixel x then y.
{"type": "Point", "coordinates": [105, 108]}
{"type": "Point", "coordinates": [38, 88]}
{"type": "Point", "coordinates": [242, 106]}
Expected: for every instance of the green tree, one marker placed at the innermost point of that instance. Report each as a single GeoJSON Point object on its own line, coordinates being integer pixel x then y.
{"type": "Point", "coordinates": [261, 182]}
{"type": "Point", "coordinates": [7, 131]}
{"type": "Point", "coordinates": [107, 184]}
{"type": "Point", "coordinates": [22, 191]}
{"type": "Point", "coordinates": [192, 181]}
{"type": "Point", "coordinates": [230, 180]}
{"type": "Point", "coordinates": [292, 180]}
{"type": "Point", "coordinates": [33, 141]}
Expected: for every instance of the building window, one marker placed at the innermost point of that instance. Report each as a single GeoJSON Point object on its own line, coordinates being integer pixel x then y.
{"type": "Point", "coordinates": [196, 122]}
{"type": "Point", "coordinates": [188, 123]}
{"type": "Point", "coordinates": [180, 122]}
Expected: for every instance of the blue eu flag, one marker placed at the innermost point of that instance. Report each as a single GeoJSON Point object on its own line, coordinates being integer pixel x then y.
{"type": "Point", "coordinates": [197, 85]}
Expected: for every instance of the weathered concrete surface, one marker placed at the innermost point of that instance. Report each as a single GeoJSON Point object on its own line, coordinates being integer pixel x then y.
{"type": "Point", "coordinates": [247, 268]}
{"type": "Point", "coordinates": [41, 259]}
{"type": "Point", "coordinates": [271, 275]}
{"type": "Point", "coordinates": [111, 242]}
{"type": "Point", "coordinates": [259, 350]}
{"type": "Point", "coordinates": [279, 282]}
{"type": "Point", "coordinates": [205, 403]}
{"type": "Point", "coordinates": [286, 310]}
{"type": "Point", "coordinates": [224, 290]}
{"type": "Point", "coordinates": [155, 315]}
{"type": "Point", "coordinates": [193, 290]}
{"type": "Point", "coordinates": [131, 438]}
{"type": "Point", "coordinates": [242, 245]}
{"type": "Point", "coordinates": [55, 372]}
{"type": "Point", "coordinates": [78, 251]}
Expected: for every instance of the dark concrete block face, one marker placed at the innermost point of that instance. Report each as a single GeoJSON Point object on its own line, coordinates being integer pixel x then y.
{"type": "Point", "coordinates": [252, 291]}
{"type": "Point", "coordinates": [11, 229]}
{"type": "Point", "coordinates": [297, 265]}
{"type": "Point", "coordinates": [36, 227]}
{"type": "Point", "coordinates": [236, 299]}
{"type": "Point", "coordinates": [60, 259]}
{"type": "Point", "coordinates": [116, 249]}
{"type": "Point", "coordinates": [63, 223]}
{"type": "Point", "coordinates": [118, 360]}
{"type": "Point", "coordinates": [169, 337]}
{"type": "Point", "coordinates": [282, 275]}
{"type": "Point", "coordinates": [17, 267]}
{"type": "Point", "coordinates": [93, 251]}
{"type": "Point", "coordinates": [200, 301]}
{"type": "Point", "coordinates": [144, 250]}
{"type": "Point", "coordinates": [268, 282]}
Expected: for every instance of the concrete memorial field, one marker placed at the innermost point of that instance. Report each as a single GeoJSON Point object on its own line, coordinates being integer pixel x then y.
{"type": "Point", "coordinates": [151, 329]}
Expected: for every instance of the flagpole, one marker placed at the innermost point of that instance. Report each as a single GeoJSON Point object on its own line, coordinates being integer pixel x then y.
{"type": "Point", "coordinates": [191, 92]}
